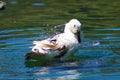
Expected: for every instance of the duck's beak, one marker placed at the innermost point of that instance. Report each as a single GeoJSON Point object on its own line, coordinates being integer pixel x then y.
{"type": "Point", "coordinates": [78, 36]}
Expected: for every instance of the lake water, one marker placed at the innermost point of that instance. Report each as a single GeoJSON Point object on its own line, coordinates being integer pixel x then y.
{"type": "Point", "coordinates": [23, 22]}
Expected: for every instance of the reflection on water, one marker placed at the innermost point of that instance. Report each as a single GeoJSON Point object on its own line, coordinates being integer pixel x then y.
{"type": "Point", "coordinates": [99, 56]}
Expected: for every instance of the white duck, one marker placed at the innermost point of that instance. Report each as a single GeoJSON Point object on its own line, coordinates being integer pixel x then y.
{"type": "Point", "coordinates": [2, 5]}
{"type": "Point", "coordinates": [61, 45]}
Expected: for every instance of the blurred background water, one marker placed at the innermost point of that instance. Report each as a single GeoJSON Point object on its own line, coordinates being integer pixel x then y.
{"type": "Point", "coordinates": [25, 21]}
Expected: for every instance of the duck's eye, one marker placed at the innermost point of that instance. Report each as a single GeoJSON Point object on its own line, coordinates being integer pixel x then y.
{"type": "Point", "coordinates": [74, 25]}
{"type": "Point", "coordinates": [35, 49]}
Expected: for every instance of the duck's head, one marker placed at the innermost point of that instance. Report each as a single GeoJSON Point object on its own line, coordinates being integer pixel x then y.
{"type": "Point", "coordinates": [74, 27]}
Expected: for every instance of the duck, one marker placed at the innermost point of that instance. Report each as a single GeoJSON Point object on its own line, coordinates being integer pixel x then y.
{"type": "Point", "coordinates": [61, 45]}
{"type": "Point", "coordinates": [2, 5]}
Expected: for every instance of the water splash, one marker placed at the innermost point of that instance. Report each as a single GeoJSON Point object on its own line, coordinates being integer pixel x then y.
{"type": "Point", "coordinates": [58, 26]}
{"type": "Point", "coordinates": [91, 44]}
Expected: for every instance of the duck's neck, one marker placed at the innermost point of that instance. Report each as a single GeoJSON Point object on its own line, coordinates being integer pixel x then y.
{"type": "Point", "coordinates": [68, 32]}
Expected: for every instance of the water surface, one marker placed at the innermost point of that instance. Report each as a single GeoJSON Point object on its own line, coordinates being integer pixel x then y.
{"type": "Point", "coordinates": [23, 22]}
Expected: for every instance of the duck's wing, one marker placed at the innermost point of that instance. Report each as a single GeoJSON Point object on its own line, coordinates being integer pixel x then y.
{"type": "Point", "coordinates": [53, 44]}
{"type": "Point", "coordinates": [44, 43]}
{"type": "Point", "coordinates": [62, 51]}
{"type": "Point", "coordinates": [49, 43]}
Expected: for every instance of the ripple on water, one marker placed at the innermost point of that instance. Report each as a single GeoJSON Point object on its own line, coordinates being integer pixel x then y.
{"type": "Point", "coordinates": [109, 29]}
{"type": "Point", "coordinates": [38, 4]}
{"type": "Point", "coordinates": [9, 31]}
{"type": "Point", "coordinates": [101, 62]}
{"type": "Point", "coordinates": [13, 2]}
{"type": "Point", "coordinates": [6, 34]}
{"type": "Point", "coordinates": [95, 57]}
{"type": "Point", "coordinates": [19, 37]}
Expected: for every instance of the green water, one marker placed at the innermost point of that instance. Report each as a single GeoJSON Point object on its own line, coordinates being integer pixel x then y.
{"type": "Point", "coordinates": [25, 21]}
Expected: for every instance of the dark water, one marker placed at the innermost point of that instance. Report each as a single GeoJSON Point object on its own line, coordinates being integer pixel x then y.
{"type": "Point", "coordinates": [23, 21]}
